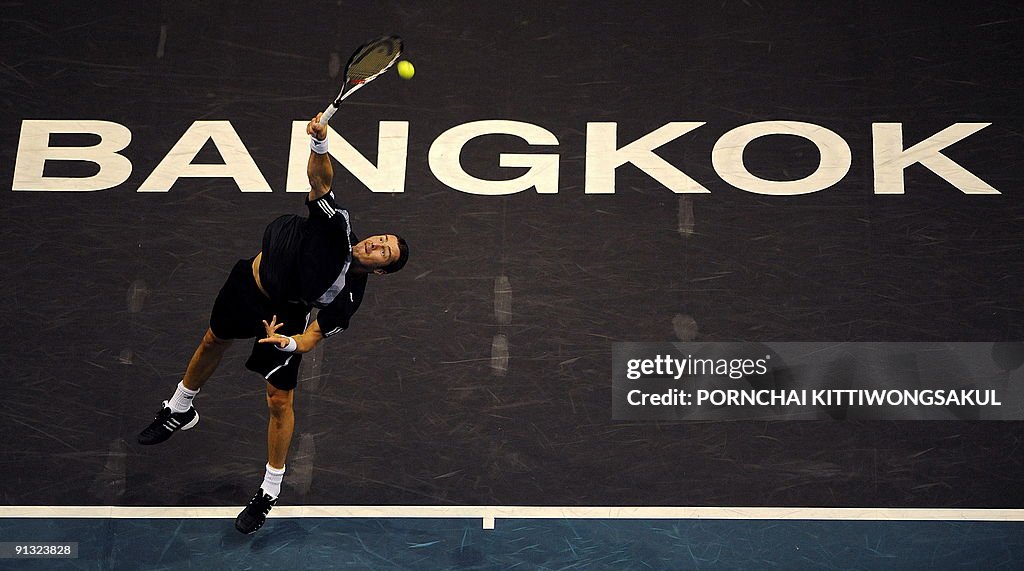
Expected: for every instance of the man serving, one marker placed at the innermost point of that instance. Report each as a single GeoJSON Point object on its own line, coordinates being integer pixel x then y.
{"type": "Point", "coordinates": [304, 263]}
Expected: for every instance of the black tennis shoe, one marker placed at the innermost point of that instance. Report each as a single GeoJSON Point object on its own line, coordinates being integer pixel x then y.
{"type": "Point", "coordinates": [167, 423]}
{"type": "Point", "coordinates": [254, 515]}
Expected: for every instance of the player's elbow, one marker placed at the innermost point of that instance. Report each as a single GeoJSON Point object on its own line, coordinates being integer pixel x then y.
{"type": "Point", "coordinates": [305, 344]}
{"type": "Point", "coordinates": [319, 186]}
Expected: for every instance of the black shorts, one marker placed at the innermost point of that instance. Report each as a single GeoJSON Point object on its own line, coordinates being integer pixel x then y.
{"type": "Point", "coordinates": [238, 313]}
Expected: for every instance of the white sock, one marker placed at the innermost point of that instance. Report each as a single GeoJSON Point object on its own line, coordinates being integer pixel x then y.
{"type": "Point", "coordinates": [272, 481]}
{"type": "Point", "coordinates": [182, 399]}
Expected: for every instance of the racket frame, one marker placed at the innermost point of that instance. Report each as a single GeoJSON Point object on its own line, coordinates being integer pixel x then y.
{"type": "Point", "coordinates": [351, 86]}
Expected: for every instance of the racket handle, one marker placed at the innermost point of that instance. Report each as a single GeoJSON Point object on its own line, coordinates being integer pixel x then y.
{"type": "Point", "coordinates": [328, 113]}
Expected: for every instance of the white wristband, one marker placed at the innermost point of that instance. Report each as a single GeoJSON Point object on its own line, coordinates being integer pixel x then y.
{"type": "Point", "coordinates": [317, 146]}
{"type": "Point", "coordinates": [292, 345]}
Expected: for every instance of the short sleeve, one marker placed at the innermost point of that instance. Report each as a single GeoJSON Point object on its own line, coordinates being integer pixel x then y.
{"type": "Point", "coordinates": [324, 208]}
{"type": "Point", "coordinates": [334, 318]}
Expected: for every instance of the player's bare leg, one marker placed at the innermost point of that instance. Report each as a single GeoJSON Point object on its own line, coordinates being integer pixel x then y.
{"type": "Point", "coordinates": [281, 426]}
{"type": "Point", "coordinates": [279, 437]}
{"type": "Point", "coordinates": [205, 360]}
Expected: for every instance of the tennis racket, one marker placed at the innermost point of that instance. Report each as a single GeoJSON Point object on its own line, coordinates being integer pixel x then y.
{"type": "Point", "coordinates": [370, 60]}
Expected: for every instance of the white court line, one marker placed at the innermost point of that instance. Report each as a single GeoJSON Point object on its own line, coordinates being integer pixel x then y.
{"type": "Point", "coordinates": [488, 514]}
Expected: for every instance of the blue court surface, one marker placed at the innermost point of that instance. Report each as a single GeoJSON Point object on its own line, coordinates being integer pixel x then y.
{"type": "Point", "coordinates": [399, 543]}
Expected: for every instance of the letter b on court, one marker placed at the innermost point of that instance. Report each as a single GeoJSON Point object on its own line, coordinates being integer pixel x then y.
{"type": "Point", "coordinates": [34, 150]}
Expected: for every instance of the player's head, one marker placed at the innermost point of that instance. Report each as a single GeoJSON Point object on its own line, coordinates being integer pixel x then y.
{"type": "Point", "coordinates": [381, 254]}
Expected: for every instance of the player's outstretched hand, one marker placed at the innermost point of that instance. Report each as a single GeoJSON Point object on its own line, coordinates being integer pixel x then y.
{"type": "Point", "coordinates": [315, 129]}
{"type": "Point", "coordinates": [272, 335]}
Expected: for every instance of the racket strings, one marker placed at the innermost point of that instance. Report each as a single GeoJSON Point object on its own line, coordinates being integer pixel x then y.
{"type": "Point", "coordinates": [370, 66]}
{"type": "Point", "coordinates": [374, 60]}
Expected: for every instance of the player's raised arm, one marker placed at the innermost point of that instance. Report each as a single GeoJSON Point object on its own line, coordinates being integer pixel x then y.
{"type": "Point", "coordinates": [319, 168]}
{"type": "Point", "coordinates": [368, 62]}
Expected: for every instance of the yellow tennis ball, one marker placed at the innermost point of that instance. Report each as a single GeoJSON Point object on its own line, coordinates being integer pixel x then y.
{"type": "Point", "coordinates": [405, 70]}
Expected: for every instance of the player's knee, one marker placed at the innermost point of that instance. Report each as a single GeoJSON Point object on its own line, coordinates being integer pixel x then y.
{"type": "Point", "coordinates": [211, 341]}
{"type": "Point", "coordinates": [279, 402]}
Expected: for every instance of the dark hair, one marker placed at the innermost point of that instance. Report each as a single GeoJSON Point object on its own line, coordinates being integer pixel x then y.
{"type": "Point", "coordinates": [403, 257]}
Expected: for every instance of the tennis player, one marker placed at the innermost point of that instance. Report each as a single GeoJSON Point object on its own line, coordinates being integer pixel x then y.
{"type": "Point", "coordinates": [304, 263]}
